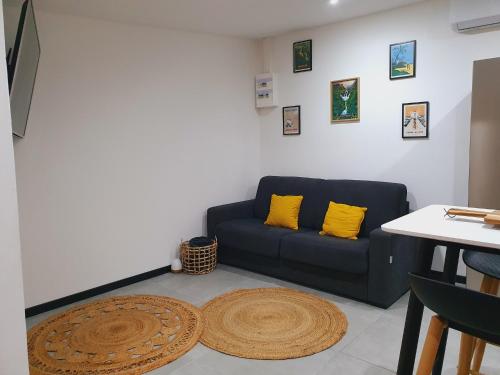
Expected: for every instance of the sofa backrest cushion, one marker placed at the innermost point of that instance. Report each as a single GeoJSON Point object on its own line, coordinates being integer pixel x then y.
{"type": "Point", "coordinates": [307, 187]}
{"type": "Point", "coordinates": [385, 201]}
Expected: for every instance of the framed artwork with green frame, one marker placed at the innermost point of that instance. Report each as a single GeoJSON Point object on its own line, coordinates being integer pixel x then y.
{"type": "Point", "coordinates": [344, 100]}
{"type": "Point", "coordinates": [302, 56]}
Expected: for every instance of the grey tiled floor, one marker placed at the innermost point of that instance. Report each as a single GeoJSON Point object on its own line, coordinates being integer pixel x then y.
{"type": "Point", "coordinates": [371, 346]}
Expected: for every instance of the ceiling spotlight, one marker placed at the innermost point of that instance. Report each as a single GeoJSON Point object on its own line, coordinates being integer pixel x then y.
{"type": "Point", "coordinates": [333, 2]}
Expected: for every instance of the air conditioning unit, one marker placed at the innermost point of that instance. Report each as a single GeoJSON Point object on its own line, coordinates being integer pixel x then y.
{"type": "Point", "coordinates": [474, 15]}
{"type": "Point", "coordinates": [478, 24]}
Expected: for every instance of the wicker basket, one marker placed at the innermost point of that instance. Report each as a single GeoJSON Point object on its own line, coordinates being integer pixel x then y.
{"type": "Point", "coordinates": [198, 260]}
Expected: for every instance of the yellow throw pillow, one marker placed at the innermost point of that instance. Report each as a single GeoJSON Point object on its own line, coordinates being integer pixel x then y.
{"type": "Point", "coordinates": [344, 221]}
{"type": "Point", "coordinates": [284, 211]}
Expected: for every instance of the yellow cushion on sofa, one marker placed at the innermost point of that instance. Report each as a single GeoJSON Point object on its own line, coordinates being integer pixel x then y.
{"type": "Point", "coordinates": [344, 221]}
{"type": "Point", "coordinates": [284, 211]}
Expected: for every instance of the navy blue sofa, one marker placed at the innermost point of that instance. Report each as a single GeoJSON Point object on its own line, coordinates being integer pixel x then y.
{"type": "Point", "coordinates": [373, 268]}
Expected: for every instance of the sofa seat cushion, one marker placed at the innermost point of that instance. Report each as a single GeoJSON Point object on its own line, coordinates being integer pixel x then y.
{"type": "Point", "coordinates": [251, 235]}
{"type": "Point", "coordinates": [337, 254]}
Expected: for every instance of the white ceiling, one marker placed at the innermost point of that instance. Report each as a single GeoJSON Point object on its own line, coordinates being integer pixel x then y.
{"type": "Point", "coordinates": [243, 18]}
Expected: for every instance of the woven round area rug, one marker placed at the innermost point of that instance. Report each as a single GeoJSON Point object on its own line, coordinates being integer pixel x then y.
{"type": "Point", "coordinates": [272, 323]}
{"type": "Point", "coordinates": [121, 335]}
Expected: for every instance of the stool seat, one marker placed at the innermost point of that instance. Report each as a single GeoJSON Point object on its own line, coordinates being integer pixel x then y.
{"type": "Point", "coordinates": [487, 264]}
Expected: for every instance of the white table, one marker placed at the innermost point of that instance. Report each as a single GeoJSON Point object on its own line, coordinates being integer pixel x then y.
{"type": "Point", "coordinates": [432, 228]}
{"type": "Point", "coordinates": [431, 223]}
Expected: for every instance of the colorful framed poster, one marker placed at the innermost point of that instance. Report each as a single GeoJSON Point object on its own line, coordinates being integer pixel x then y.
{"type": "Point", "coordinates": [415, 120]}
{"type": "Point", "coordinates": [291, 120]}
{"type": "Point", "coordinates": [344, 100]}
{"type": "Point", "coordinates": [302, 56]}
{"type": "Point", "coordinates": [403, 60]}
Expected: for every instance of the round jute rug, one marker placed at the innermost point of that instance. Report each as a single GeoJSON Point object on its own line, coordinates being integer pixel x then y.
{"type": "Point", "coordinates": [273, 323]}
{"type": "Point", "coordinates": [122, 335]}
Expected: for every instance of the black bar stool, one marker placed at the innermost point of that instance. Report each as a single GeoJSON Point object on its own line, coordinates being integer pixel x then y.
{"type": "Point", "coordinates": [464, 310]}
{"type": "Point", "coordinates": [489, 266]}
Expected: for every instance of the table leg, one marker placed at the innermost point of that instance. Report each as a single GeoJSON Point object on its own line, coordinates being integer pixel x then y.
{"type": "Point", "coordinates": [415, 310]}
{"type": "Point", "coordinates": [451, 264]}
{"type": "Point", "coordinates": [449, 276]}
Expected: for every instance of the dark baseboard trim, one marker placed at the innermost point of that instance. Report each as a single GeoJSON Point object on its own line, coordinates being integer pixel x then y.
{"type": "Point", "coordinates": [47, 306]}
{"type": "Point", "coordinates": [438, 274]}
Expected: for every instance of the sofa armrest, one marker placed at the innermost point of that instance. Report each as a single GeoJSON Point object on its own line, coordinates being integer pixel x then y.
{"type": "Point", "coordinates": [219, 214]}
{"type": "Point", "coordinates": [391, 258]}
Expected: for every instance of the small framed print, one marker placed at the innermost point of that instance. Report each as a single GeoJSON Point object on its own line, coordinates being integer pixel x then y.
{"type": "Point", "coordinates": [344, 100]}
{"type": "Point", "coordinates": [403, 60]}
{"type": "Point", "coordinates": [302, 56]}
{"type": "Point", "coordinates": [291, 120]}
{"type": "Point", "coordinates": [415, 120]}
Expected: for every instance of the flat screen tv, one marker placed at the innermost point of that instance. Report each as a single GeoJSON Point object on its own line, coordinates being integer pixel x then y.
{"type": "Point", "coordinates": [22, 68]}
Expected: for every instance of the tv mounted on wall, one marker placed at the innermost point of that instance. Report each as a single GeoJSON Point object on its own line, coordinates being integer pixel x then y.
{"type": "Point", "coordinates": [22, 65]}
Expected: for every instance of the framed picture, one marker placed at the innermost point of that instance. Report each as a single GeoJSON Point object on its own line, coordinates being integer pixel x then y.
{"type": "Point", "coordinates": [344, 99]}
{"type": "Point", "coordinates": [403, 60]}
{"type": "Point", "coordinates": [291, 120]}
{"type": "Point", "coordinates": [302, 56]}
{"type": "Point", "coordinates": [416, 120]}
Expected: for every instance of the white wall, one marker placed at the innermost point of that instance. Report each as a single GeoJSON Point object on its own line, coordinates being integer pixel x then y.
{"type": "Point", "coordinates": [133, 133]}
{"type": "Point", "coordinates": [435, 170]}
{"type": "Point", "coordinates": [13, 357]}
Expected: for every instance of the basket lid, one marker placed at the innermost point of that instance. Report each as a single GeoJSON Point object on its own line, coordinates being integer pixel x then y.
{"type": "Point", "coordinates": [200, 242]}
